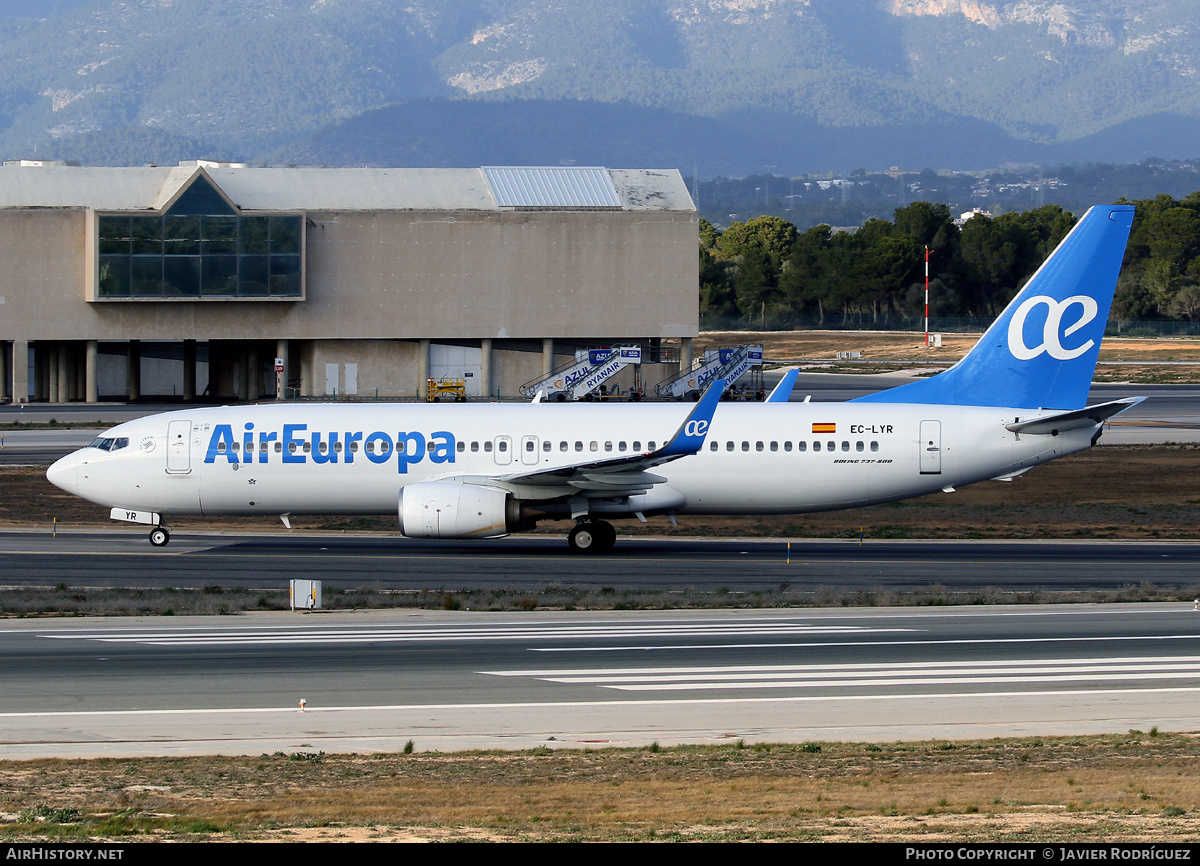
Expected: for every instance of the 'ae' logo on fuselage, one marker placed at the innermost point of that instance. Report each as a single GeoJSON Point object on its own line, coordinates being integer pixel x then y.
{"type": "Point", "coordinates": [1052, 333]}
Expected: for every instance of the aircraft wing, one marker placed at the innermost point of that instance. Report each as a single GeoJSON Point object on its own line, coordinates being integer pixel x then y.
{"type": "Point", "coordinates": [628, 475]}
{"type": "Point", "coordinates": [1089, 416]}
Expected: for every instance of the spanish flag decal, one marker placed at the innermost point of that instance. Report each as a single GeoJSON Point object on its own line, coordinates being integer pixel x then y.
{"type": "Point", "coordinates": [824, 428]}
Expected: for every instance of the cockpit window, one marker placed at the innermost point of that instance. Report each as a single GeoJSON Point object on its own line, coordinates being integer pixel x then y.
{"type": "Point", "coordinates": [105, 443]}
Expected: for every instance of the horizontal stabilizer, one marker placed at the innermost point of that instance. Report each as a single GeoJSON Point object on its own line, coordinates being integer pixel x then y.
{"type": "Point", "coordinates": [1089, 416]}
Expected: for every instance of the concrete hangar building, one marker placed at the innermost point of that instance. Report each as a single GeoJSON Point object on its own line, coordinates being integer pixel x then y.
{"type": "Point", "coordinates": [193, 280]}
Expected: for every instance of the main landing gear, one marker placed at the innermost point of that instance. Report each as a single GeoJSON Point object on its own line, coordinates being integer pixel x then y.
{"type": "Point", "coordinates": [160, 535]}
{"type": "Point", "coordinates": [593, 536]}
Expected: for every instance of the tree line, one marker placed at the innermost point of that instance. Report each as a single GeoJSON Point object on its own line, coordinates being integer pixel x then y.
{"type": "Point", "coordinates": [765, 268]}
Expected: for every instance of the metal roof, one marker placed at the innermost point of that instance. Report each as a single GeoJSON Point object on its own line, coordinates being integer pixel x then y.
{"type": "Point", "coordinates": [344, 189]}
{"type": "Point", "coordinates": [557, 186]}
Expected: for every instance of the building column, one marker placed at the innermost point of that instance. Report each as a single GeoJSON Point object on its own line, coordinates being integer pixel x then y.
{"type": "Point", "coordinates": [92, 392]}
{"type": "Point", "coordinates": [685, 354]}
{"type": "Point", "coordinates": [189, 371]}
{"type": "Point", "coordinates": [547, 355]}
{"type": "Point", "coordinates": [422, 369]}
{"type": "Point", "coordinates": [20, 371]}
{"type": "Point", "coordinates": [4, 380]}
{"type": "Point", "coordinates": [133, 371]}
{"type": "Point", "coordinates": [281, 379]}
{"type": "Point", "coordinates": [485, 367]}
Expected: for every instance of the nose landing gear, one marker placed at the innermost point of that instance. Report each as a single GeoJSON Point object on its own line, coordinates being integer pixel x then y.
{"type": "Point", "coordinates": [160, 535]}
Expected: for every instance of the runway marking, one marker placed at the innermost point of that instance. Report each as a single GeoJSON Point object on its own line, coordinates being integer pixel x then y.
{"type": "Point", "coordinates": [669, 702]}
{"type": "Point", "coordinates": [922, 643]}
{"type": "Point", "coordinates": [977, 673]}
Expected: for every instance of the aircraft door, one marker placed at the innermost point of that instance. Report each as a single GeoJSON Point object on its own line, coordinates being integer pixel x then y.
{"type": "Point", "coordinates": [179, 453]}
{"type": "Point", "coordinates": [529, 450]}
{"type": "Point", "coordinates": [502, 450]}
{"type": "Point", "coordinates": [931, 447]}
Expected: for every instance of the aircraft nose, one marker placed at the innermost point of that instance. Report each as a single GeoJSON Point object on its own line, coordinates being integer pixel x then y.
{"type": "Point", "coordinates": [64, 473]}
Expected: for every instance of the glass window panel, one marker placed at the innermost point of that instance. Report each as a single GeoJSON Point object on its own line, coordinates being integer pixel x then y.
{"type": "Point", "coordinates": [114, 276]}
{"type": "Point", "coordinates": [252, 236]}
{"type": "Point", "coordinates": [114, 235]}
{"type": "Point", "coordinates": [285, 234]}
{"type": "Point", "coordinates": [219, 275]}
{"type": "Point", "coordinates": [200, 198]}
{"type": "Point", "coordinates": [181, 235]}
{"type": "Point", "coordinates": [146, 275]}
{"type": "Point", "coordinates": [285, 276]}
{"type": "Point", "coordinates": [146, 233]}
{"type": "Point", "coordinates": [218, 235]}
{"type": "Point", "coordinates": [181, 275]}
{"type": "Point", "coordinates": [252, 275]}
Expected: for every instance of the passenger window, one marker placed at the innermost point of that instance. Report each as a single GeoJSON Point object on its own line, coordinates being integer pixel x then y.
{"type": "Point", "coordinates": [292, 447]}
{"type": "Point", "coordinates": [787, 446]}
{"type": "Point", "coordinates": [801, 446]}
{"type": "Point", "coordinates": [307, 447]}
{"type": "Point", "coordinates": [487, 446]}
{"type": "Point", "coordinates": [845, 445]}
{"type": "Point", "coordinates": [461, 447]}
{"type": "Point", "coordinates": [858, 446]}
{"type": "Point", "coordinates": [322, 447]}
{"type": "Point", "coordinates": [502, 447]}
{"type": "Point", "coordinates": [594, 445]}
{"type": "Point", "coordinates": [546, 445]}
{"type": "Point", "coordinates": [279, 447]}
{"type": "Point", "coordinates": [529, 446]}
{"type": "Point", "coordinates": [712, 446]}
{"type": "Point", "coordinates": [235, 447]}
{"type": "Point", "coordinates": [729, 446]}
{"type": "Point", "coordinates": [354, 447]}
{"type": "Point", "coordinates": [608, 446]}
{"type": "Point", "coordinates": [578, 445]}
{"type": "Point", "coordinates": [650, 445]}
{"type": "Point", "coordinates": [562, 446]}
{"type": "Point", "coordinates": [758, 446]}
{"type": "Point", "coordinates": [621, 445]}
{"type": "Point", "coordinates": [874, 446]}
{"type": "Point", "coordinates": [637, 446]}
{"type": "Point", "coordinates": [830, 445]}
{"type": "Point", "coordinates": [474, 446]}
{"type": "Point", "coordinates": [816, 446]}
{"type": "Point", "coordinates": [774, 446]}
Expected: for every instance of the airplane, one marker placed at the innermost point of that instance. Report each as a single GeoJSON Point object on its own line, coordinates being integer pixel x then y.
{"type": "Point", "coordinates": [1016, 400]}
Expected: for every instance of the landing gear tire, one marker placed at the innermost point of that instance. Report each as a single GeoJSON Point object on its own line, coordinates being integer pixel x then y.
{"type": "Point", "coordinates": [159, 536]}
{"type": "Point", "coordinates": [593, 537]}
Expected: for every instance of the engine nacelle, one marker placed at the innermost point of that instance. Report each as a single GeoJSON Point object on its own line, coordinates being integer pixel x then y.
{"type": "Point", "coordinates": [452, 509]}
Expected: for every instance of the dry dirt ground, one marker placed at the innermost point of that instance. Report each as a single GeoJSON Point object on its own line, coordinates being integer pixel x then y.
{"type": "Point", "coordinates": [1135, 787]}
{"type": "Point", "coordinates": [791, 346]}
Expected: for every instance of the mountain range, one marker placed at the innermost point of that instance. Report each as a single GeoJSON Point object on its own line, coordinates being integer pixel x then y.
{"type": "Point", "coordinates": [716, 87]}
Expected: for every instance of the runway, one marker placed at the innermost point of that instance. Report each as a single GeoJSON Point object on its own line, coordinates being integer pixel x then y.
{"type": "Point", "coordinates": [125, 558]}
{"type": "Point", "coordinates": [449, 681]}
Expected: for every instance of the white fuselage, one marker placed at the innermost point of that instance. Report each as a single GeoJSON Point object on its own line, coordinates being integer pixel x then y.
{"type": "Point", "coordinates": [757, 459]}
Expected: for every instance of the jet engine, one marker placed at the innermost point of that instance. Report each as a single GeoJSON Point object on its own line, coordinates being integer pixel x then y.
{"type": "Point", "coordinates": [453, 509]}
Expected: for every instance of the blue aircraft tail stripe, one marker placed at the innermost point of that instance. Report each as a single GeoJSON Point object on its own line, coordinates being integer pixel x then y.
{"type": "Point", "coordinates": [1041, 352]}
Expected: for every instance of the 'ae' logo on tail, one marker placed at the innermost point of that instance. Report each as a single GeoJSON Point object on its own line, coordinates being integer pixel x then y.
{"type": "Point", "coordinates": [1053, 333]}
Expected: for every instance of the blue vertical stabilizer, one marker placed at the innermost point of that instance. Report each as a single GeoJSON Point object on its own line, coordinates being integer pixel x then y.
{"type": "Point", "coordinates": [1041, 352]}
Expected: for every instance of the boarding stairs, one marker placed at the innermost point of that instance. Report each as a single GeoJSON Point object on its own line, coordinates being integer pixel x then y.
{"type": "Point", "coordinates": [584, 376]}
{"type": "Point", "coordinates": [728, 363]}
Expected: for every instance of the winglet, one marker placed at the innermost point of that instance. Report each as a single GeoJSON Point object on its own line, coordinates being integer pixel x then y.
{"type": "Point", "coordinates": [689, 438]}
{"type": "Point", "coordinates": [783, 391]}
